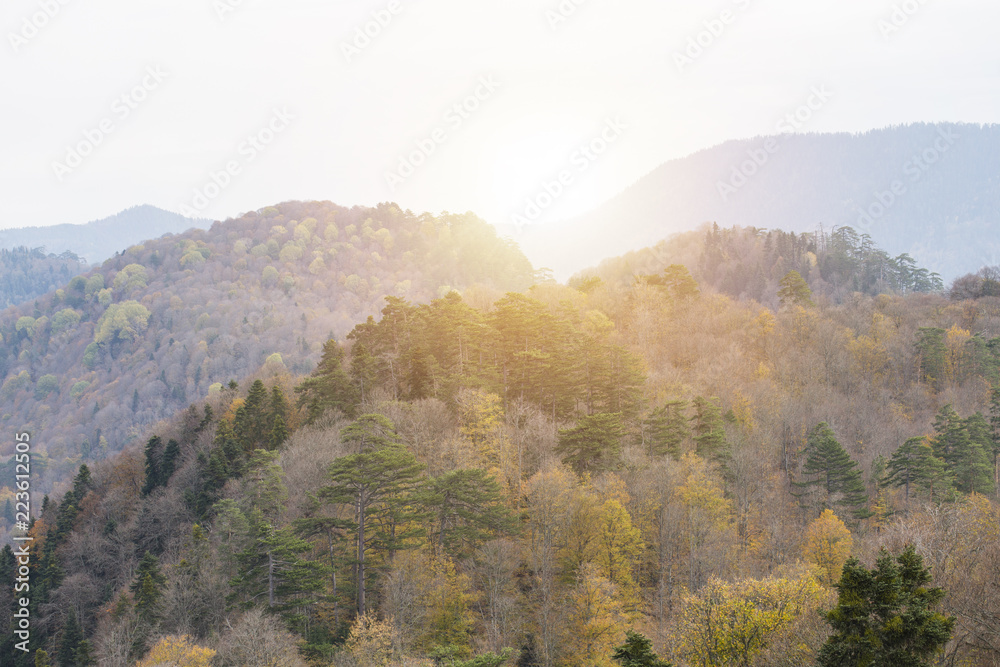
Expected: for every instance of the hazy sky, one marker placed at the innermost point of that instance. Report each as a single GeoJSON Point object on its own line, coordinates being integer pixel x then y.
{"type": "Point", "coordinates": [162, 94]}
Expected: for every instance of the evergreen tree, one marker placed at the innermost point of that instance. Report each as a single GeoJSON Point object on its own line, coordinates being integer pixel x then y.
{"type": "Point", "coordinates": [709, 433]}
{"type": "Point", "coordinates": [250, 423]}
{"type": "Point", "coordinates": [468, 510]}
{"type": "Point", "coordinates": [793, 289]}
{"type": "Point", "coordinates": [933, 355]}
{"type": "Point", "coordinates": [834, 473]}
{"type": "Point", "coordinates": [668, 429]}
{"type": "Point", "coordinates": [41, 658]}
{"type": "Point", "coordinates": [170, 457]}
{"type": "Point", "coordinates": [69, 641]}
{"type": "Point", "coordinates": [378, 483]}
{"type": "Point", "coordinates": [154, 453]}
{"type": "Point", "coordinates": [962, 445]}
{"type": "Point", "coordinates": [637, 651]}
{"type": "Point", "coordinates": [885, 616]}
{"type": "Point", "coordinates": [85, 654]}
{"type": "Point", "coordinates": [594, 444]}
{"type": "Point", "coordinates": [147, 588]}
{"type": "Point", "coordinates": [914, 464]}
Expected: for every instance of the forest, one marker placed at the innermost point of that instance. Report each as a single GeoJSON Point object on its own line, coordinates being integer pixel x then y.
{"type": "Point", "coordinates": [31, 273]}
{"type": "Point", "coordinates": [93, 364]}
{"type": "Point", "coordinates": [650, 465]}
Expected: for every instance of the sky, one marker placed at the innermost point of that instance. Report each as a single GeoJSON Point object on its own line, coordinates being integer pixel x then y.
{"type": "Point", "coordinates": [217, 107]}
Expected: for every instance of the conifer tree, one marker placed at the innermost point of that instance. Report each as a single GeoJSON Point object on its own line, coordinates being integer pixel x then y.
{"type": "Point", "coordinates": [154, 453]}
{"type": "Point", "coordinates": [328, 387]}
{"type": "Point", "coordinates": [884, 616]}
{"type": "Point", "coordinates": [69, 641]}
{"type": "Point", "coordinates": [637, 651]}
{"type": "Point", "coordinates": [834, 473]}
{"type": "Point", "coordinates": [668, 429]}
{"type": "Point", "coordinates": [170, 457]}
{"type": "Point", "coordinates": [709, 433]}
{"type": "Point", "coordinates": [147, 588]}
{"type": "Point", "coordinates": [378, 483]}
{"type": "Point", "coordinates": [594, 444]}
{"type": "Point", "coordinates": [468, 510]}
{"type": "Point", "coordinates": [914, 464]}
{"type": "Point", "coordinates": [793, 289]}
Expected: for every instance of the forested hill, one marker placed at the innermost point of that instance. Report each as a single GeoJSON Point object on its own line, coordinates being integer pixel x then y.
{"type": "Point", "coordinates": [522, 478]}
{"type": "Point", "coordinates": [749, 263]}
{"type": "Point", "coordinates": [27, 273]}
{"type": "Point", "coordinates": [98, 240]}
{"type": "Point", "coordinates": [945, 212]}
{"type": "Point", "coordinates": [91, 365]}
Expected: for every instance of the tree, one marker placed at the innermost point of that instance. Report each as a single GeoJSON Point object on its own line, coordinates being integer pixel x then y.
{"type": "Point", "coordinates": [885, 616]}
{"type": "Point", "coordinates": [637, 651]}
{"type": "Point", "coordinates": [154, 476]}
{"type": "Point", "coordinates": [730, 624]}
{"type": "Point", "coordinates": [69, 641]}
{"type": "Point", "coordinates": [377, 484]}
{"type": "Point", "coordinates": [668, 429]}
{"type": "Point", "coordinates": [468, 510]}
{"type": "Point", "coordinates": [595, 619]}
{"type": "Point", "coordinates": [328, 387]}
{"type": "Point", "coordinates": [709, 433]}
{"type": "Point", "coordinates": [177, 652]}
{"type": "Point", "coordinates": [147, 588]}
{"type": "Point", "coordinates": [793, 289]}
{"type": "Point", "coordinates": [962, 444]}
{"type": "Point", "coordinates": [594, 444]}
{"type": "Point", "coordinates": [834, 473]}
{"type": "Point", "coordinates": [828, 546]}
{"type": "Point", "coordinates": [914, 463]}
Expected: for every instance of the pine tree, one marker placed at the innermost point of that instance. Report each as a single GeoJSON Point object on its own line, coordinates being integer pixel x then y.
{"type": "Point", "coordinates": [668, 429]}
{"type": "Point", "coordinates": [69, 641]}
{"type": "Point", "coordinates": [594, 444]}
{"type": "Point", "coordinates": [85, 654]}
{"type": "Point", "coordinates": [147, 588]}
{"type": "Point", "coordinates": [793, 289]}
{"type": "Point", "coordinates": [637, 651]}
{"type": "Point", "coordinates": [885, 616]}
{"type": "Point", "coordinates": [250, 422]}
{"type": "Point", "coordinates": [378, 483]}
{"type": "Point", "coordinates": [154, 453]}
{"type": "Point", "coordinates": [41, 658]}
{"type": "Point", "coordinates": [914, 464]}
{"type": "Point", "coordinates": [962, 445]}
{"type": "Point", "coordinates": [709, 433]}
{"type": "Point", "coordinates": [834, 473]}
{"type": "Point", "coordinates": [170, 457]}
{"type": "Point", "coordinates": [468, 510]}
{"type": "Point", "coordinates": [933, 355]}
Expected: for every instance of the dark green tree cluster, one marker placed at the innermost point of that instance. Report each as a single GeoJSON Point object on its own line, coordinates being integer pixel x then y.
{"type": "Point", "coordinates": [885, 616]}
{"type": "Point", "coordinates": [520, 351]}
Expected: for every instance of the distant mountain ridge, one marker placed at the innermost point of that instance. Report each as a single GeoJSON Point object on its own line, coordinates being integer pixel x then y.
{"type": "Point", "coordinates": [98, 240]}
{"type": "Point", "coordinates": [930, 190]}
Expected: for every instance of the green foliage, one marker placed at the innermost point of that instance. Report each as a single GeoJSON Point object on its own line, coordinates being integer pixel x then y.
{"type": "Point", "coordinates": [328, 387]}
{"type": "Point", "coordinates": [835, 475]}
{"type": "Point", "coordinates": [914, 463]}
{"type": "Point", "coordinates": [69, 641]}
{"type": "Point", "coordinates": [594, 444]}
{"type": "Point", "coordinates": [794, 290]}
{"type": "Point", "coordinates": [132, 277]}
{"type": "Point", "coordinates": [122, 322]}
{"type": "Point", "coordinates": [468, 510]}
{"type": "Point", "coordinates": [885, 616]}
{"type": "Point", "coordinates": [65, 320]}
{"type": "Point", "coordinates": [46, 385]}
{"type": "Point", "coordinates": [637, 651]}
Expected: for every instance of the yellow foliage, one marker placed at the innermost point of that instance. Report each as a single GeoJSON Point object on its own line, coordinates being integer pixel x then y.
{"type": "Point", "coordinates": [828, 546]}
{"type": "Point", "coordinates": [619, 547]}
{"type": "Point", "coordinates": [177, 652]}
{"type": "Point", "coordinates": [731, 623]}
{"type": "Point", "coordinates": [371, 641]}
{"type": "Point", "coordinates": [595, 623]}
{"type": "Point", "coordinates": [230, 414]}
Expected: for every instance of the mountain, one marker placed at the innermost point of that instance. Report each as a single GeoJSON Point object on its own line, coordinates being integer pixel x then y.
{"type": "Point", "coordinates": [929, 190]}
{"type": "Point", "coordinates": [96, 241]}
{"type": "Point", "coordinates": [90, 366]}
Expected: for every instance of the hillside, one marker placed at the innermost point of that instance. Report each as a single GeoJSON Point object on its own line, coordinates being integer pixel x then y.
{"type": "Point", "coordinates": [525, 477]}
{"type": "Point", "coordinates": [945, 216]}
{"type": "Point", "coordinates": [98, 240]}
{"type": "Point", "coordinates": [26, 274]}
{"type": "Point", "coordinates": [92, 365]}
